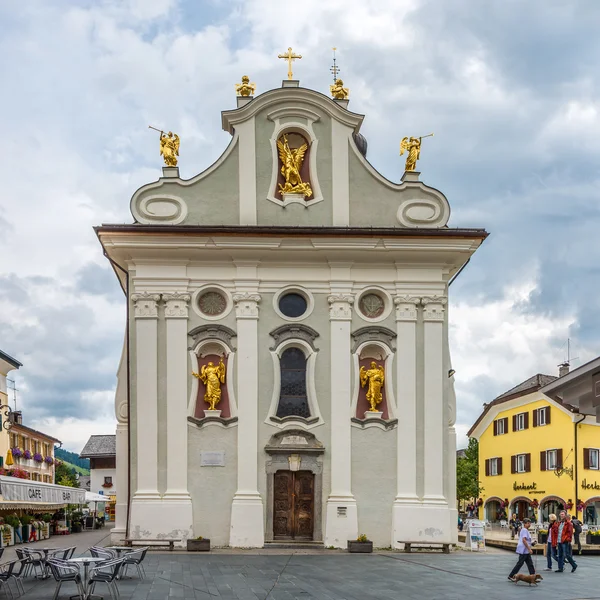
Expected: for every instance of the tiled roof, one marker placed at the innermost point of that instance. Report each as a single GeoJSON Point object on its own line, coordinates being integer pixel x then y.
{"type": "Point", "coordinates": [526, 387]}
{"type": "Point", "coordinates": [99, 445]}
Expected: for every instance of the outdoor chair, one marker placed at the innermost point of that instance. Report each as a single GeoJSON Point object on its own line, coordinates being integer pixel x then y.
{"type": "Point", "coordinates": [135, 558]}
{"type": "Point", "coordinates": [63, 553]}
{"type": "Point", "coordinates": [503, 524]}
{"type": "Point", "coordinates": [7, 573]}
{"type": "Point", "coordinates": [99, 552]}
{"type": "Point", "coordinates": [108, 573]}
{"type": "Point", "coordinates": [63, 572]}
{"type": "Point", "coordinates": [18, 574]}
{"type": "Point", "coordinates": [1, 552]}
{"type": "Point", "coordinates": [36, 560]}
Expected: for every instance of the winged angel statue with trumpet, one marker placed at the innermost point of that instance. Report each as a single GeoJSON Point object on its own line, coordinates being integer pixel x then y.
{"type": "Point", "coordinates": [291, 163]}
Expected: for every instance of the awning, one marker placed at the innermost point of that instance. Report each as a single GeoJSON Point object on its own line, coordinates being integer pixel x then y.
{"type": "Point", "coordinates": [37, 493]}
{"type": "Point", "coordinates": [92, 497]}
{"type": "Point", "coordinates": [39, 506]}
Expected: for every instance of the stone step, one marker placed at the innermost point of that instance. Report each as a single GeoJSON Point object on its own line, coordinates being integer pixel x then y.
{"type": "Point", "coordinates": [292, 545]}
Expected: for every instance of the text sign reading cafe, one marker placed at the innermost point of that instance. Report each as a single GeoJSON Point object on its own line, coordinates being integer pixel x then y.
{"type": "Point", "coordinates": [22, 490]}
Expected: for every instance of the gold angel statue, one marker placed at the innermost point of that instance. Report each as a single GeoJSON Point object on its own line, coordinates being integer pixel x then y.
{"type": "Point", "coordinates": [245, 88]}
{"type": "Point", "coordinates": [338, 91]}
{"type": "Point", "coordinates": [291, 163]}
{"type": "Point", "coordinates": [375, 377]}
{"type": "Point", "coordinates": [212, 376]}
{"type": "Point", "coordinates": [169, 148]}
{"type": "Point", "coordinates": [413, 147]}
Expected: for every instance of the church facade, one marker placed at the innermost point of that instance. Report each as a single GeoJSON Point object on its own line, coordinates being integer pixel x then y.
{"type": "Point", "coordinates": [286, 371]}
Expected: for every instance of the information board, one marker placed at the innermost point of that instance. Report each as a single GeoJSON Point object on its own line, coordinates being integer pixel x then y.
{"type": "Point", "coordinates": [475, 540]}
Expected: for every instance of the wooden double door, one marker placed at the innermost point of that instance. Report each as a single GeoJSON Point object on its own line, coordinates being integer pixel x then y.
{"type": "Point", "coordinates": [293, 505]}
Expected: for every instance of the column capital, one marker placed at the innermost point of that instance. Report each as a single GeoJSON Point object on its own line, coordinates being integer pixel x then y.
{"type": "Point", "coordinates": [340, 307]}
{"type": "Point", "coordinates": [176, 305]}
{"type": "Point", "coordinates": [246, 305]}
{"type": "Point", "coordinates": [146, 305]}
{"type": "Point", "coordinates": [406, 307]}
{"type": "Point", "coordinates": [434, 307]}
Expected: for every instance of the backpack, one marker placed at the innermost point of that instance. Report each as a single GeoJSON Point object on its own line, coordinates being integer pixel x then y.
{"type": "Point", "coordinates": [577, 526]}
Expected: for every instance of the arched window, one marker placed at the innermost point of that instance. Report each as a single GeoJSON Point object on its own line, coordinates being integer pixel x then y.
{"type": "Point", "coordinates": [292, 397]}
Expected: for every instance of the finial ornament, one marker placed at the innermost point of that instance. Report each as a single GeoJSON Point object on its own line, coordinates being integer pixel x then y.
{"type": "Point", "coordinates": [291, 164]}
{"type": "Point", "coordinates": [334, 69]}
{"type": "Point", "coordinates": [338, 91]}
{"type": "Point", "coordinates": [169, 146]}
{"type": "Point", "coordinates": [289, 56]}
{"type": "Point", "coordinates": [413, 148]}
{"type": "Point", "coordinates": [245, 88]}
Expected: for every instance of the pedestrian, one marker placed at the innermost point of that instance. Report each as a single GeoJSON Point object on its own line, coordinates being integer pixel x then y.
{"type": "Point", "coordinates": [514, 526]}
{"type": "Point", "coordinates": [564, 538]}
{"type": "Point", "coordinates": [577, 529]}
{"type": "Point", "coordinates": [524, 551]}
{"type": "Point", "coordinates": [552, 545]}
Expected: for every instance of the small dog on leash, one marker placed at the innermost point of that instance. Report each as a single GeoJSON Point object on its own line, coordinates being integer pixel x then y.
{"type": "Point", "coordinates": [530, 579]}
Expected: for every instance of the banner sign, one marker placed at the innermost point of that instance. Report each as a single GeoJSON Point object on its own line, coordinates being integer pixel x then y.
{"type": "Point", "coordinates": [23, 490]}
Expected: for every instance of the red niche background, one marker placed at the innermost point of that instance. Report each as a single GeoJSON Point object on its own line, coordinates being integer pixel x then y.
{"type": "Point", "coordinates": [362, 405]}
{"type": "Point", "coordinates": [201, 405]}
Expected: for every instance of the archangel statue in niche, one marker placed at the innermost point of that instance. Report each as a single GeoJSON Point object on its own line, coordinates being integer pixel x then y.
{"type": "Point", "coordinates": [292, 149]}
{"type": "Point", "coordinates": [212, 376]}
{"type": "Point", "coordinates": [374, 377]}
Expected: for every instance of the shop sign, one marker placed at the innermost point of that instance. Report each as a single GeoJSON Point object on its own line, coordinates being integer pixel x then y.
{"type": "Point", "coordinates": [523, 487]}
{"type": "Point", "coordinates": [24, 491]}
{"type": "Point", "coordinates": [589, 486]}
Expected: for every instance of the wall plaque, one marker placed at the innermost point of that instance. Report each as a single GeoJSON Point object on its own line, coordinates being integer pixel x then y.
{"type": "Point", "coordinates": [290, 440]}
{"type": "Point", "coordinates": [212, 458]}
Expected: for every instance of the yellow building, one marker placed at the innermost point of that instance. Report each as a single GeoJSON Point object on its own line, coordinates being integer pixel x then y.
{"type": "Point", "coordinates": [536, 456]}
{"type": "Point", "coordinates": [7, 364]}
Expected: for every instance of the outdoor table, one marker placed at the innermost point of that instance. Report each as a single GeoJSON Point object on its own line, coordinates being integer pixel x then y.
{"type": "Point", "coordinates": [86, 561]}
{"type": "Point", "coordinates": [119, 549]}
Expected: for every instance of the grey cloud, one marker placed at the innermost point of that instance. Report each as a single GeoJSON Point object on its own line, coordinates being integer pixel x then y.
{"type": "Point", "coordinates": [99, 280]}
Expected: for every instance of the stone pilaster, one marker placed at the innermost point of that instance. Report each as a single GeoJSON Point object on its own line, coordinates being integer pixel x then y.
{"type": "Point", "coordinates": [177, 500]}
{"type": "Point", "coordinates": [247, 518]}
{"type": "Point", "coordinates": [342, 516]}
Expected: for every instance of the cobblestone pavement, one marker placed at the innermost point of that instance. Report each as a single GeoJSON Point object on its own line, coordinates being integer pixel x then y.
{"type": "Point", "coordinates": [245, 575]}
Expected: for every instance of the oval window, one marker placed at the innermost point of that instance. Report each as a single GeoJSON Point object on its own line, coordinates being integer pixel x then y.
{"type": "Point", "coordinates": [293, 305]}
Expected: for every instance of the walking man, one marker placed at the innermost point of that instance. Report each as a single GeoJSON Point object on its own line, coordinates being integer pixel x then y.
{"type": "Point", "coordinates": [565, 536]}
{"type": "Point", "coordinates": [577, 529]}
{"type": "Point", "coordinates": [523, 550]}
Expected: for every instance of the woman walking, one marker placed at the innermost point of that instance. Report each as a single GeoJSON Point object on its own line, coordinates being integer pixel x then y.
{"type": "Point", "coordinates": [552, 545]}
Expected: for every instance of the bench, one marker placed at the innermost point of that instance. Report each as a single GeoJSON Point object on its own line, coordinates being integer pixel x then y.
{"type": "Point", "coordinates": [445, 548]}
{"type": "Point", "coordinates": [152, 542]}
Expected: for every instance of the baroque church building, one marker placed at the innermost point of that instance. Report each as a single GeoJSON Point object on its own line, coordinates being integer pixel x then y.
{"type": "Point", "coordinates": [286, 371]}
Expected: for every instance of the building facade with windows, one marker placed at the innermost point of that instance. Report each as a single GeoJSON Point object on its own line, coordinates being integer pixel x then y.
{"type": "Point", "coordinates": [537, 455]}
{"type": "Point", "coordinates": [286, 371]}
{"type": "Point", "coordinates": [101, 451]}
{"type": "Point", "coordinates": [7, 364]}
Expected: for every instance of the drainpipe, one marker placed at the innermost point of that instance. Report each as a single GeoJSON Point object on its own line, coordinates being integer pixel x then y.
{"type": "Point", "coordinates": [576, 476]}
{"type": "Point", "coordinates": [118, 266]}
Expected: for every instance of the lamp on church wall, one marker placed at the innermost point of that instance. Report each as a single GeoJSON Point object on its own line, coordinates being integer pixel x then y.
{"type": "Point", "coordinates": [294, 461]}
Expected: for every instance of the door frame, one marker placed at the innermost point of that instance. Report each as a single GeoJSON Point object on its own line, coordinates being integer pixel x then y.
{"type": "Point", "coordinates": [280, 462]}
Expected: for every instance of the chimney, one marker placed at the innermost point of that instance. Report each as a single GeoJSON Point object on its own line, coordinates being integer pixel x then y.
{"type": "Point", "coordinates": [563, 369]}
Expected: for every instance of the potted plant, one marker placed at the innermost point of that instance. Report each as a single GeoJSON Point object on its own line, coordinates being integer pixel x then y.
{"type": "Point", "coordinates": [593, 537]}
{"type": "Point", "coordinates": [198, 544]}
{"type": "Point", "coordinates": [25, 527]}
{"type": "Point", "coordinates": [542, 536]}
{"type": "Point", "coordinates": [14, 522]}
{"type": "Point", "coordinates": [360, 544]}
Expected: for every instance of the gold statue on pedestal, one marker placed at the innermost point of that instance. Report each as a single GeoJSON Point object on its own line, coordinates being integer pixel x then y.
{"type": "Point", "coordinates": [375, 377]}
{"type": "Point", "coordinates": [291, 163]}
{"type": "Point", "coordinates": [212, 376]}
{"type": "Point", "coordinates": [245, 88]}
{"type": "Point", "coordinates": [338, 91]}
{"type": "Point", "coordinates": [413, 147]}
{"type": "Point", "coordinates": [169, 146]}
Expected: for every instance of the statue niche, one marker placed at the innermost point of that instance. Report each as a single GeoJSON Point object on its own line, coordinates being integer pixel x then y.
{"type": "Point", "coordinates": [371, 381]}
{"type": "Point", "coordinates": [293, 173]}
{"type": "Point", "coordinates": [207, 390]}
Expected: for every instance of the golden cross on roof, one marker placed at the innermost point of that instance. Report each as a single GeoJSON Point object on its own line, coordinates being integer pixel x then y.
{"type": "Point", "coordinates": [289, 56]}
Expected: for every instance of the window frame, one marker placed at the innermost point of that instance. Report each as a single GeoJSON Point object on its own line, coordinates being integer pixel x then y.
{"type": "Point", "coordinates": [541, 411]}
{"type": "Point", "coordinates": [549, 453]}
{"type": "Point", "coordinates": [524, 457]}
{"type": "Point", "coordinates": [283, 384]}
{"type": "Point", "coordinates": [595, 451]}
{"type": "Point", "coordinates": [500, 423]}
{"type": "Point", "coordinates": [520, 421]}
{"type": "Point", "coordinates": [494, 467]}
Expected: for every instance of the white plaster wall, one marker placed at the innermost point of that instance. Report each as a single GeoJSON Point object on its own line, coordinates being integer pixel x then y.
{"type": "Point", "coordinates": [97, 479]}
{"type": "Point", "coordinates": [374, 482]}
{"type": "Point", "coordinates": [212, 488]}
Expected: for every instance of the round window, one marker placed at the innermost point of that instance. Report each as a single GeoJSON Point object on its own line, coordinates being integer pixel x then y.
{"type": "Point", "coordinates": [212, 303]}
{"type": "Point", "coordinates": [371, 305]}
{"type": "Point", "coordinates": [293, 305]}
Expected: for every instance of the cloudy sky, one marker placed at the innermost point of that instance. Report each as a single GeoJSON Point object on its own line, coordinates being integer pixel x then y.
{"type": "Point", "coordinates": [510, 88]}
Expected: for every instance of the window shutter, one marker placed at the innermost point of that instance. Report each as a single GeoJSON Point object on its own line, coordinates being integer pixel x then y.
{"type": "Point", "coordinates": [526, 420]}
{"type": "Point", "coordinates": [487, 467]}
{"type": "Point", "coordinates": [559, 458]}
{"type": "Point", "coordinates": [547, 415]}
{"type": "Point", "coordinates": [543, 460]}
{"type": "Point", "coordinates": [514, 422]}
{"type": "Point", "coordinates": [513, 463]}
{"type": "Point", "coordinates": [499, 462]}
{"type": "Point", "coordinates": [586, 458]}
{"type": "Point", "coordinates": [505, 424]}
{"type": "Point", "coordinates": [535, 418]}
{"type": "Point", "coordinates": [527, 463]}
{"type": "Point", "coordinates": [495, 427]}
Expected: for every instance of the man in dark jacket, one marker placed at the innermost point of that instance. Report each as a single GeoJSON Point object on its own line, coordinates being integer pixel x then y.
{"type": "Point", "coordinates": [564, 539]}
{"type": "Point", "coordinates": [577, 529]}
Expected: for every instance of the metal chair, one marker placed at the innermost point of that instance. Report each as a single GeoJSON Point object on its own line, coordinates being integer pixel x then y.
{"type": "Point", "coordinates": [108, 573]}
{"type": "Point", "coordinates": [63, 572]}
{"type": "Point", "coordinates": [6, 574]}
{"type": "Point", "coordinates": [135, 558]}
{"type": "Point", "coordinates": [99, 552]}
{"type": "Point", "coordinates": [36, 559]}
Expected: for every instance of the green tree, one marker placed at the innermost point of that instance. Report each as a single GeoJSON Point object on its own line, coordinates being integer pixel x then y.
{"type": "Point", "coordinates": [467, 473]}
{"type": "Point", "coordinates": [65, 476]}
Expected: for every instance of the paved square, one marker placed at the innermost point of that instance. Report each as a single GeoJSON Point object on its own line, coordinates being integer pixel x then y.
{"type": "Point", "coordinates": [339, 576]}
